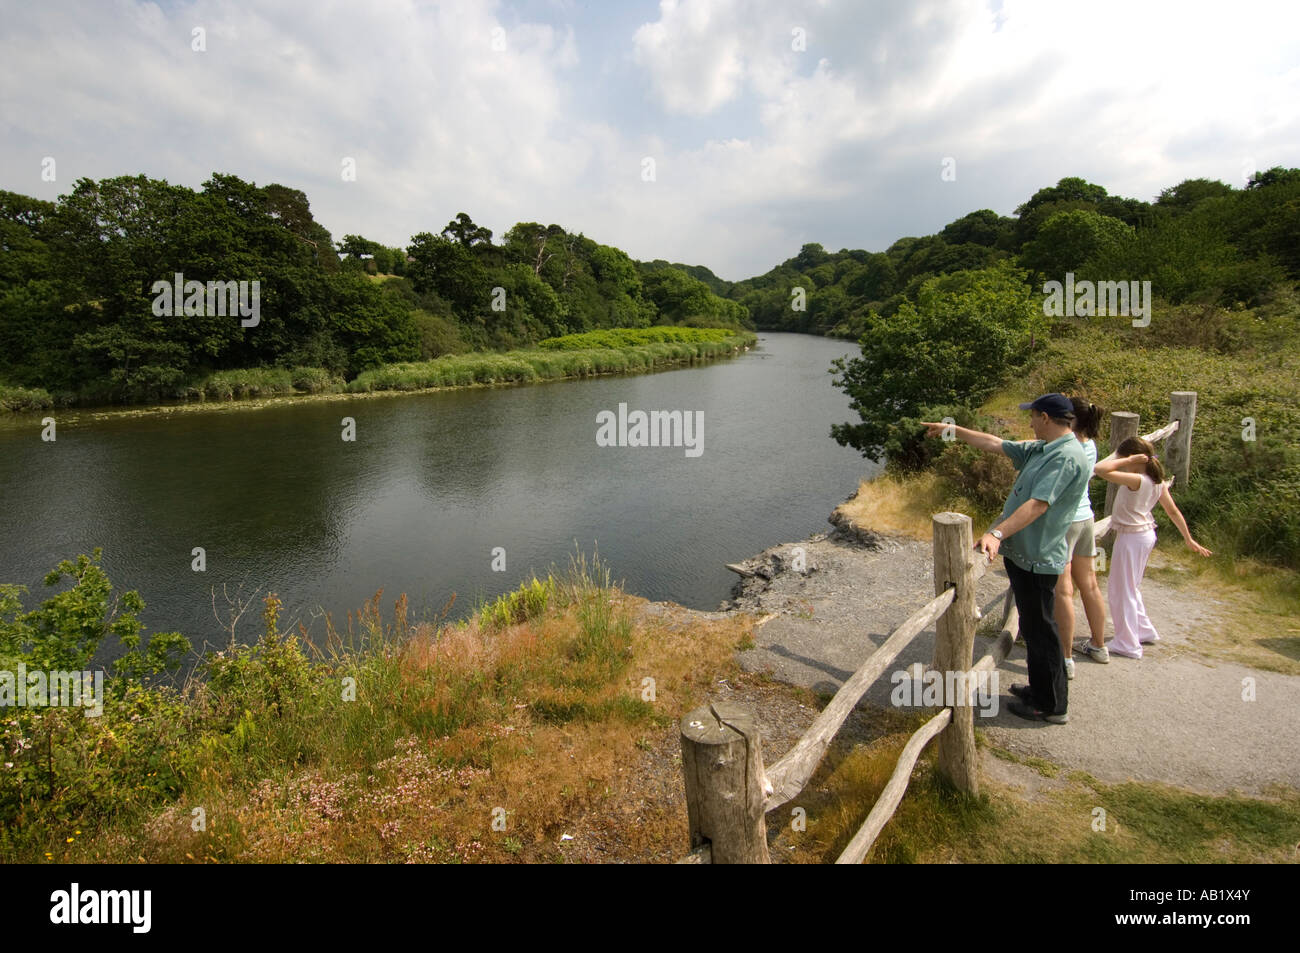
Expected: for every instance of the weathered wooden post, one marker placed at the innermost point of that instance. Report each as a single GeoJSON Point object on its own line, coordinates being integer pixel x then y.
{"type": "Point", "coordinates": [722, 762]}
{"type": "Point", "coordinates": [1178, 447]}
{"type": "Point", "coordinates": [954, 565]}
{"type": "Point", "coordinates": [1122, 426]}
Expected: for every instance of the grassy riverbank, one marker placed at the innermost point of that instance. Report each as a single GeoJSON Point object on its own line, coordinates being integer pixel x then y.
{"type": "Point", "coordinates": [615, 351]}
{"type": "Point", "coordinates": [542, 729]}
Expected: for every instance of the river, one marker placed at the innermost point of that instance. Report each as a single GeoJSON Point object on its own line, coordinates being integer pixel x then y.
{"type": "Point", "coordinates": [433, 486]}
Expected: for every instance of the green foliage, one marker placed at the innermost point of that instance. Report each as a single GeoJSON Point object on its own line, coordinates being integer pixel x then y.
{"type": "Point", "coordinates": [22, 399]}
{"type": "Point", "coordinates": [66, 631]}
{"type": "Point", "coordinates": [273, 676]}
{"type": "Point", "coordinates": [462, 370]}
{"type": "Point", "coordinates": [77, 306]}
{"type": "Point", "coordinates": [1068, 240]}
{"type": "Point", "coordinates": [64, 766]}
{"type": "Point", "coordinates": [632, 337]}
{"type": "Point", "coordinates": [679, 297]}
{"type": "Point", "coordinates": [527, 602]}
{"type": "Point", "coordinates": [964, 336]}
{"type": "Point", "coordinates": [1242, 494]}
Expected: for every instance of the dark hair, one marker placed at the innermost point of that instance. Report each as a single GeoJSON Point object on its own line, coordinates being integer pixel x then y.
{"type": "Point", "coordinates": [1087, 418]}
{"type": "Point", "coordinates": [1134, 445]}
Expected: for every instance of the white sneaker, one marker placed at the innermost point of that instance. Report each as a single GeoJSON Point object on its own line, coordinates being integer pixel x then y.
{"type": "Point", "coordinates": [1069, 668]}
{"type": "Point", "coordinates": [1097, 654]}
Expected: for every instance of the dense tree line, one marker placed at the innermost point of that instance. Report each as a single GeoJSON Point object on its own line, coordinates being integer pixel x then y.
{"type": "Point", "coordinates": [1199, 240]}
{"type": "Point", "coordinates": [81, 316]}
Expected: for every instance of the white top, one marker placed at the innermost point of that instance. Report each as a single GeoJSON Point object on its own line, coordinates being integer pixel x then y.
{"type": "Point", "coordinates": [1132, 512]}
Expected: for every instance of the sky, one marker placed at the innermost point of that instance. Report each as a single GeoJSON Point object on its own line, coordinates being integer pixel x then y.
{"type": "Point", "coordinates": [714, 132]}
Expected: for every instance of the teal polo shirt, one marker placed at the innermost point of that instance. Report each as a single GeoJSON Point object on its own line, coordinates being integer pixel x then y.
{"type": "Point", "coordinates": [1055, 472]}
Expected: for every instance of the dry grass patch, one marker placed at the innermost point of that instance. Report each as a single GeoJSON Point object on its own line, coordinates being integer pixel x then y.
{"type": "Point", "coordinates": [547, 728]}
{"type": "Point", "coordinates": [903, 505]}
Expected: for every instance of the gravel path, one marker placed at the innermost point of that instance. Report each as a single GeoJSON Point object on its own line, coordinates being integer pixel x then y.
{"type": "Point", "coordinates": [1173, 716]}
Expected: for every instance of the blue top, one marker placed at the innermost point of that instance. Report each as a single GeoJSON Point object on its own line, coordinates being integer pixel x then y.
{"type": "Point", "coordinates": [1057, 473]}
{"type": "Point", "coordinates": [1084, 512]}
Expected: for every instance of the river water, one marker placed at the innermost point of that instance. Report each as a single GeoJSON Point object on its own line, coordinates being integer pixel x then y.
{"type": "Point", "coordinates": [433, 487]}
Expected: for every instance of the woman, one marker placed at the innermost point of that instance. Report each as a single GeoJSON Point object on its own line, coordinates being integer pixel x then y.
{"type": "Point", "coordinates": [1080, 563]}
{"type": "Point", "coordinates": [1140, 477]}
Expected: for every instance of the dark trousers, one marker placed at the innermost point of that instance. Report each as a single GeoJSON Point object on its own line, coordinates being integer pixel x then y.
{"type": "Point", "coordinates": [1035, 600]}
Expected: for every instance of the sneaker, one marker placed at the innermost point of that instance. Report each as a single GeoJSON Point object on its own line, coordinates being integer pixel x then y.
{"type": "Point", "coordinates": [1096, 653]}
{"type": "Point", "coordinates": [1022, 692]}
{"type": "Point", "coordinates": [1036, 714]}
{"type": "Point", "coordinates": [1069, 668]}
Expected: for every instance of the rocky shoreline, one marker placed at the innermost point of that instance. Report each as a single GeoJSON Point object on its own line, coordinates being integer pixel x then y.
{"type": "Point", "coordinates": [773, 575]}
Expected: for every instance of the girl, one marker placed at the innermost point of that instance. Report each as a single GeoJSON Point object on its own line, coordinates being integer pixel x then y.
{"type": "Point", "coordinates": [1080, 562]}
{"type": "Point", "coordinates": [1140, 478]}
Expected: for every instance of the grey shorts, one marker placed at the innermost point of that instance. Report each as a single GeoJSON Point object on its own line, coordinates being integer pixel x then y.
{"type": "Point", "coordinates": [1080, 537]}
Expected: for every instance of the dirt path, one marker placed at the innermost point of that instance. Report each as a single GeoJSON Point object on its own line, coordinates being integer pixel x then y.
{"type": "Point", "coordinates": [1175, 716]}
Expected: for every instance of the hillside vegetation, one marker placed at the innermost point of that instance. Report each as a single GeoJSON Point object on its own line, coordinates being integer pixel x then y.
{"type": "Point", "coordinates": [89, 313]}
{"type": "Point", "coordinates": [1220, 319]}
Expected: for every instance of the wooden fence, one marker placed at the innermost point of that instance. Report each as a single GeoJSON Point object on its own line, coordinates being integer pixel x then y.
{"type": "Point", "coordinates": [729, 792]}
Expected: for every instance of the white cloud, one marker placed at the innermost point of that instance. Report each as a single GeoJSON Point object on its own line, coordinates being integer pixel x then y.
{"type": "Point", "coordinates": [758, 146]}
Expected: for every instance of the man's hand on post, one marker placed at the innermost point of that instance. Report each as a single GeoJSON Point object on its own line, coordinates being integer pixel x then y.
{"type": "Point", "coordinates": [989, 545]}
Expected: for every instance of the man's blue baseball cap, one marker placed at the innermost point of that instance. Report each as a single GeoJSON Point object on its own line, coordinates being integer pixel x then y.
{"type": "Point", "coordinates": [1054, 405]}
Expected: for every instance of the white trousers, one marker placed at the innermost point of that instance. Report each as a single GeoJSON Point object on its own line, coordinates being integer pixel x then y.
{"type": "Point", "coordinates": [1128, 561]}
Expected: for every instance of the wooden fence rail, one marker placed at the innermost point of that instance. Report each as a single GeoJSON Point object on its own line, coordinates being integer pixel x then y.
{"type": "Point", "coordinates": [728, 792]}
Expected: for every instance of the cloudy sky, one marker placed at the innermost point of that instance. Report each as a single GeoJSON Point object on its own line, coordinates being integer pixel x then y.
{"type": "Point", "coordinates": [770, 123]}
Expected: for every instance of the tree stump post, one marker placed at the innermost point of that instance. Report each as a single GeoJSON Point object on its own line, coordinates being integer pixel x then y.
{"type": "Point", "coordinates": [1178, 448]}
{"type": "Point", "coordinates": [1122, 426]}
{"type": "Point", "coordinates": [722, 762]}
{"type": "Point", "coordinates": [954, 565]}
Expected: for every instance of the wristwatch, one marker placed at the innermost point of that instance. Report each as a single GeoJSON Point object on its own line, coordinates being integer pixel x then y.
{"type": "Point", "coordinates": [995, 533]}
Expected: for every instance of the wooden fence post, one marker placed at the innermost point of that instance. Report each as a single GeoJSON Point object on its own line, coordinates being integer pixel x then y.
{"type": "Point", "coordinates": [1122, 426]}
{"type": "Point", "coordinates": [722, 762]}
{"type": "Point", "coordinates": [1178, 448]}
{"type": "Point", "coordinates": [954, 565]}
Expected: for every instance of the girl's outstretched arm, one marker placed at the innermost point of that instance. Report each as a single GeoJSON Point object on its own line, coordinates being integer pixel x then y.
{"type": "Point", "coordinates": [1176, 515]}
{"type": "Point", "coordinates": [1109, 471]}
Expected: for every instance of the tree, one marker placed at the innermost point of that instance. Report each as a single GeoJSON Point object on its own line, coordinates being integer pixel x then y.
{"type": "Point", "coordinates": [1069, 239]}
{"type": "Point", "coordinates": [954, 346]}
{"type": "Point", "coordinates": [449, 269]}
{"type": "Point", "coordinates": [462, 229]}
{"type": "Point", "coordinates": [1274, 176]}
{"type": "Point", "coordinates": [984, 227]}
{"type": "Point", "coordinates": [1186, 194]}
{"type": "Point", "coordinates": [1069, 189]}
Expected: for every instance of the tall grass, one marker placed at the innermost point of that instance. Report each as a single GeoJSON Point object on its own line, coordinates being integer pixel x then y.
{"type": "Point", "coordinates": [24, 399]}
{"type": "Point", "coordinates": [526, 366]}
{"type": "Point", "coordinates": [1243, 493]}
{"type": "Point", "coordinates": [258, 719]}
{"type": "Point", "coordinates": [633, 337]}
{"type": "Point", "coordinates": [262, 382]}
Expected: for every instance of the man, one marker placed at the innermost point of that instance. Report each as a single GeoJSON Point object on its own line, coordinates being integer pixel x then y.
{"type": "Point", "coordinates": [1052, 474]}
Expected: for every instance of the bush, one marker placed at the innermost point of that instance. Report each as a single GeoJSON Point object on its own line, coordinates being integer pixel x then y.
{"type": "Point", "coordinates": [315, 380]}
{"type": "Point", "coordinates": [24, 399]}
{"type": "Point", "coordinates": [983, 478]}
{"type": "Point", "coordinates": [61, 768]}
